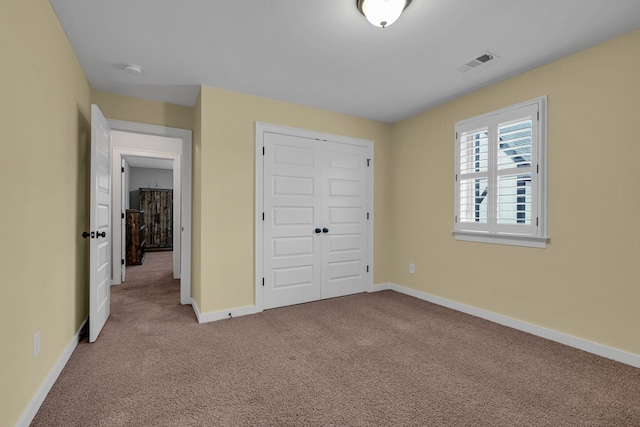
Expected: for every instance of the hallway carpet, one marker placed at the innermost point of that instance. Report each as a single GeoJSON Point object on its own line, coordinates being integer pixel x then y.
{"type": "Point", "coordinates": [364, 360]}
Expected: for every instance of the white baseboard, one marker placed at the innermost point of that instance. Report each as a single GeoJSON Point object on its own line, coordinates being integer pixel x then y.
{"type": "Point", "coordinates": [33, 407]}
{"type": "Point", "coordinates": [223, 314]}
{"type": "Point", "coordinates": [550, 334]}
{"type": "Point", "coordinates": [380, 287]}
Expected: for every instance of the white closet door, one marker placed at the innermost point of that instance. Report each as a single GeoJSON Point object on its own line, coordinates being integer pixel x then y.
{"type": "Point", "coordinates": [315, 219]}
{"type": "Point", "coordinates": [292, 259]}
{"type": "Point", "coordinates": [344, 212]}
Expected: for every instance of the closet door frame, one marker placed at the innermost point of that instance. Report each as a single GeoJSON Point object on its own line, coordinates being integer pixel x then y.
{"type": "Point", "coordinates": [261, 129]}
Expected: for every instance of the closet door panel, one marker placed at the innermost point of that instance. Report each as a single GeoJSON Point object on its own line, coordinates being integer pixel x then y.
{"type": "Point", "coordinates": [344, 251]}
{"type": "Point", "coordinates": [291, 206]}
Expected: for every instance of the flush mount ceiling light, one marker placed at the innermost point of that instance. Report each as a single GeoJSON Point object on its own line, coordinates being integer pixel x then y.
{"type": "Point", "coordinates": [134, 69]}
{"type": "Point", "coordinates": [382, 13]}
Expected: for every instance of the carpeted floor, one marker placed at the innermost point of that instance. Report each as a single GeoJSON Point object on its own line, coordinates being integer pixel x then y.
{"type": "Point", "coordinates": [371, 359]}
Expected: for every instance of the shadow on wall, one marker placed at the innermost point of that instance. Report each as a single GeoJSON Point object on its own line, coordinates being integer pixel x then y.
{"type": "Point", "coordinates": [83, 194]}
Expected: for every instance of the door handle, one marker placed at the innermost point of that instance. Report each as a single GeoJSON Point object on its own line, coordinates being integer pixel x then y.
{"type": "Point", "coordinates": [318, 230]}
{"type": "Point", "coordinates": [325, 230]}
{"type": "Point", "coordinates": [93, 234]}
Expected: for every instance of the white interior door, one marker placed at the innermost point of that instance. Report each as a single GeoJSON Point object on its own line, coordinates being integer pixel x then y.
{"type": "Point", "coordinates": [315, 219]}
{"type": "Point", "coordinates": [291, 209]}
{"type": "Point", "coordinates": [100, 222]}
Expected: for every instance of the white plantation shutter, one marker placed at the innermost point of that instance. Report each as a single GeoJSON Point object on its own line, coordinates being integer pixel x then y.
{"type": "Point", "coordinates": [473, 151]}
{"type": "Point", "coordinates": [500, 190]}
{"type": "Point", "coordinates": [515, 181]}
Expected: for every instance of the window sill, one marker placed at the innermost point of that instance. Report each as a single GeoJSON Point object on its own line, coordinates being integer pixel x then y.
{"type": "Point", "coordinates": [502, 239]}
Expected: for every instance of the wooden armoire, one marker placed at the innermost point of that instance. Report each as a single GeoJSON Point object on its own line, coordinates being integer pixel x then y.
{"type": "Point", "coordinates": [157, 204]}
{"type": "Point", "coordinates": [135, 233]}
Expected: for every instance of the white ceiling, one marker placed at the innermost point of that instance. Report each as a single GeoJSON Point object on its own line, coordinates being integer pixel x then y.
{"type": "Point", "coordinates": [323, 53]}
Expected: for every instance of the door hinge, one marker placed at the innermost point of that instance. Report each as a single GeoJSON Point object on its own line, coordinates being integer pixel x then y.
{"type": "Point", "coordinates": [368, 162]}
{"type": "Point", "coordinates": [367, 268]}
{"type": "Point", "coordinates": [263, 281]}
{"type": "Point", "coordinates": [122, 261]}
{"type": "Point", "coordinates": [456, 136]}
{"type": "Point", "coordinates": [367, 215]}
{"type": "Point", "coordinates": [122, 213]}
{"type": "Point", "coordinates": [455, 219]}
{"type": "Point", "coordinates": [538, 115]}
{"type": "Point", "coordinates": [263, 216]}
{"type": "Point", "coordinates": [456, 177]}
{"type": "Point", "coordinates": [536, 221]}
{"type": "Point", "coordinates": [263, 151]}
{"type": "Point", "coordinates": [537, 168]}
{"type": "Point", "coordinates": [122, 168]}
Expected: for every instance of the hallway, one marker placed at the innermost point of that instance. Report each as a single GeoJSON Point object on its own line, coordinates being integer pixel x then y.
{"type": "Point", "coordinates": [148, 291]}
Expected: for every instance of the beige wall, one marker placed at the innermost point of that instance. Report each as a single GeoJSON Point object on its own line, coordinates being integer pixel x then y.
{"type": "Point", "coordinates": [44, 110]}
{"type": "Point", "coordinates": [121, 107]}
{"type": "Point", "coordinates": [226, 153]}
{"type": "Point", "coordinates": [585, 283]}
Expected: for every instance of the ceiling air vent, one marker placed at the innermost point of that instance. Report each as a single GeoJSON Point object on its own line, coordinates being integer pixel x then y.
{"type": "Point", "coordinates": [475, 62]}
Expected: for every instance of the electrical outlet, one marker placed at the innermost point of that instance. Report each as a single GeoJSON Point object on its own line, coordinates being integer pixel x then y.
{"type": "Point", "coordinates": [36, 344]}
{"type": "Point", "coordinates": [412, 268]}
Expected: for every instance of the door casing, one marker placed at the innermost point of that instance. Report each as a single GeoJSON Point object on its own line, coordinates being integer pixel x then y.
{"type": "Point", "coordinates": [184, 167]}
{"type": "Point", "coordinates": [261, 128]}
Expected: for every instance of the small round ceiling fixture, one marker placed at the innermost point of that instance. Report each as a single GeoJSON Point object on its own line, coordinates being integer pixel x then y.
{"type": "Point", "coordinates": [133, 69]}
{"type": "Point", "coordinates": [382, 13]}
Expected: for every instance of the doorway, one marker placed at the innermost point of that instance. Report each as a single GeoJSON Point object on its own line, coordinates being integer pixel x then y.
{"type": "Point", "coordinates": [148, 204]}
{"type": "Point", "coordinates": [150, 145]}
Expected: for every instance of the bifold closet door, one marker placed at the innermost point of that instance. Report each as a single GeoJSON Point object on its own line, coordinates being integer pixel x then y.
{"type": "Point", "coordinates": [315, 224]}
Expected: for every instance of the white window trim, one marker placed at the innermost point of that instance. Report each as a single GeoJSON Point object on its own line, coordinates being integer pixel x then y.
{"type": "Point", "coordinates": [540, 238]}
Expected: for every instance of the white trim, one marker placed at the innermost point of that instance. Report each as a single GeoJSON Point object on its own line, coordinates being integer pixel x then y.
{"type": "Point", "coordinates": [380, 287]}
{"type": "Point", "coordinates": [32, 408]}
{"type": "Point", "coordinates": [214, 316]}
{"type": "Point", "coordinates": [185, 135]}
{"type": "Point", "coordinates": [261, 128]}
{"type": "Point", "coordinates": [196, 309]}
{"type": "Point", "coordinates": [503, 110]}
{"type": "Point", "coordinates": [311, 134]}
{"type": "Point", "coordinates": [535, 235]}
{"type": "Point", "coordinates": [372, 217]}
{"type": "Point", "coordinates": [501, 238]}
{"type": "Point", "coordinates": [125, 153]}
{"type": "Point", "coordinates": [258, 209]}
{"type": "Point", "coordinates": [559, 337]}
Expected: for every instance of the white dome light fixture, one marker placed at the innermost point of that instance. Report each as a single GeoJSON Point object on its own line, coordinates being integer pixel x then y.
{"type": "Point", "coordinates": [133, 69]}
{"type": "Point", "coordinates": [382, 13]}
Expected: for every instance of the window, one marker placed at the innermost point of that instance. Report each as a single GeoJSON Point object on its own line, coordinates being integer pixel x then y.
{"type": "Point", "coordinates": [500, 176]}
